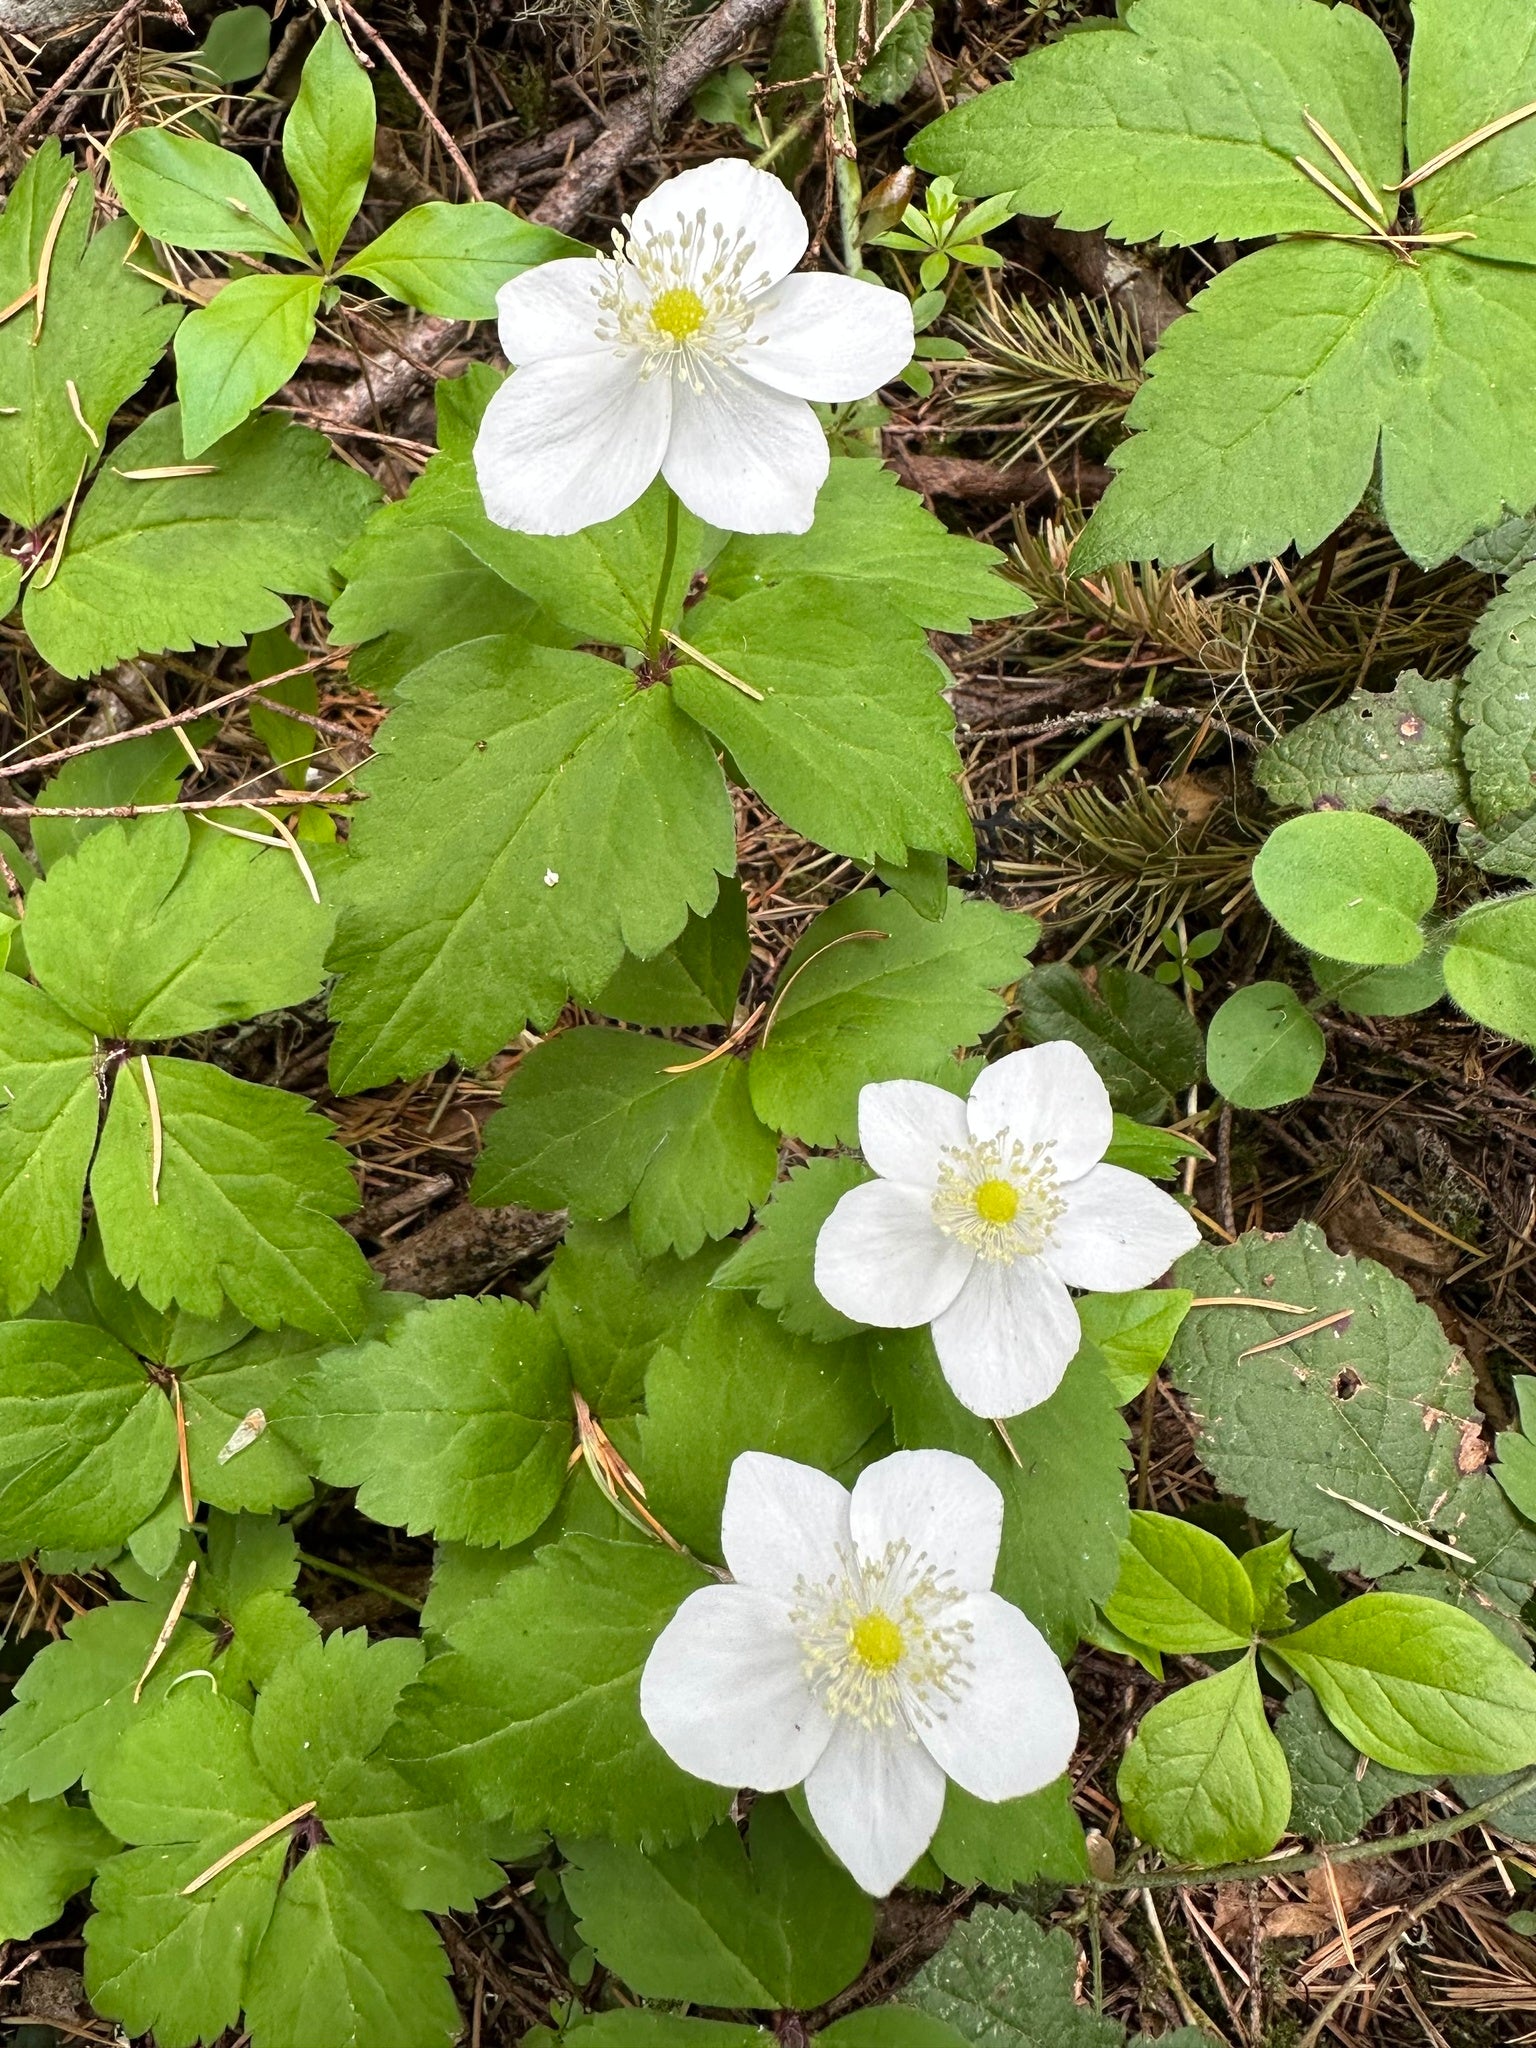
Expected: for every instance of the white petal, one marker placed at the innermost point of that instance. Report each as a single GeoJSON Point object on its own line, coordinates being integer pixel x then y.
{"type": "Point", "coordinates": [882, 1259]}
{"type": "Point", "coordinates": [743, 457]}
{"type": "Point", "coordinates": [827, 337]}
{"type": "Point", "coordinates": [551, 311]}
{"type": "Point", "coordinates": [724, 1693]}
{"type": "Point", "coordinates": [877, 1796]}
{"type": "Point", "coordinates": [569, 444]}
{"type": "Point", "coordinates": [1014, 1727]}
{"type": "Point", "coordinates": [731, 193]}
{"type": "Point", "coordinates": [1046, 1092]}
{"type": "Point", "coordinates": [1008, 1337]}
{"type": "Point", "coordinates": [782, 1522]}
{"type": "Point", "coordinates": [943, 1505]}
{"type": "Point", "coordinates": [1119, 1231]}
{"type": "Point", "coordinates": [904, 1126]}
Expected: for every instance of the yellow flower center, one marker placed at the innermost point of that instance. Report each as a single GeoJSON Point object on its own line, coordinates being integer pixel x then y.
{"type": "Point", "coordinates": [876, 1641]}
{"type": "Point", "coordinates": [997, 1201]}
{"type": "Point", "coordinates": [677, 313]}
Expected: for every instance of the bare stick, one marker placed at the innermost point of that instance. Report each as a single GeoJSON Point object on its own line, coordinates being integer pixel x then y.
{"type": "Point", "coordinates": [201, 803]}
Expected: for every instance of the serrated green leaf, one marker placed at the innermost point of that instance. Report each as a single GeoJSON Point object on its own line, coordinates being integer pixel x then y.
{"type": "Point", "coordinates": [196, 561]}
{"type": "Point", "coordinates": [1180, 1589]}
{"type": "Point", "coordinates": [1490, 965]}
{"type": "Point", "coordinates": [1264, 1047]}
{"type": "Point", "coordinates": [1011, 1842]}
{"type": "Point", "coordinates": [1348, 885]}
{"type": "Point", "coordinates": [1132, 1332]}
{"type": "Point", "coordinates": [875, 992]}
{"type": "Point", "coordinates": [1495, 1567]}
{"type": "Point", "coordinates": [776, 1263]}
{"type": "Point", "coordinates": [519, 840]}
{"type": "Point", "coordinates": [182, 190]}
{"type": "Point", "coordinates": [49, 1105]}
{"type": "Point", "coordinates": [451, 261]}
{"type": "Point", "coordinates": [250, 1181]}
{"type": "Point", "coordinates": [694, 981]}
{"type": "Point", "coordinates": [1204, 1779]}
{"type": "Point", "coordinates": [328, 139]}
{"type": "Point", "coordinates": [592, 1121]}
{"type": "Point", "coordinates": [701, 1922]}
{"type": "Point", "coordinates": [1508, 848]}
{"type": "Point", "coordinates": [1332, 1799]}
{"type": "Point", "coordinates": [48, 1852]}
{"type": "Point", "coordinates": [104, 328]}
{"type": "Point", "coordinates": [163, 926]}
{"type": "Point", "coordinates": [1182, 123]}
{"type": "Point", "coordinates": [429, 1858]}
{"type": "Point", "coordinates": [1393, 750]}
{"type": "Point", "coordinates": [612, 1308]}
{"type": "Point", "coordinates": [325, 1708]}
{"type": "Point", "coordinates": [1496, 704]}
{"type": "Point", "coordinates": [1141, 1039]}
{"type": "Point", "coordinates": [1467, 71]}
{"type": "Point", "coordinates": [535, 1710]}
{"type": "Point", "coordinates": [219, 1393]}
{"type": "Point", "coordinates": [459, 1422]}
{"type": "Point", "coordinates": [1003, 1982]}
{"type": "Point", "coordinates": [240, 348]}
{"type": "Point", "coordinates": [1417, 1685]}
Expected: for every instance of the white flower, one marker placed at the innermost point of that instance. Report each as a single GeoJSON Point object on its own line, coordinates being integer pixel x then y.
{"type": "Point", "coordinates": [985, 1212]}
{"type": "Point", "coordinates": [862, 1651]}
{"type": "Point", "coordinates": [691, 351]}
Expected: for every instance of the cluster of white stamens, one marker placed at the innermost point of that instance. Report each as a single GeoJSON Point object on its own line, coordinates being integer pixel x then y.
{"type": "Point", "coordinates": [998, 1199]}
{"type": "Point", "coordinates": [682, 297]}
{"type": "Point", "coordinates": [875, 1642]}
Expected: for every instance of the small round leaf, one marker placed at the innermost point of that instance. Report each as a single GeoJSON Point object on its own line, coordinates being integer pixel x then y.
{"type": "Point", "coordinates": [1490, 966]}
{"type": "Point", "coordinates": [1263, 1047]}
{"type": "Point", "coordinates": [1348, 885]}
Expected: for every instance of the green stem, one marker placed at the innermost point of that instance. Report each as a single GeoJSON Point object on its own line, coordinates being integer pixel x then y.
{"type": "Point", "coordinates": [653, 638]}
{"type": "Point", "coordinates": [341, 1571]}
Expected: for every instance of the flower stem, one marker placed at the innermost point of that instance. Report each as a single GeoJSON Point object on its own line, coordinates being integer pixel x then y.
{"type": "Point", "coordinates": [657, 633]}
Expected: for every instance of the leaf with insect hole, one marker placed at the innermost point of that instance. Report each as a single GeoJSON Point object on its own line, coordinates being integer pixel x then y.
{"type": "Point", "coordinates": [1398, 750]}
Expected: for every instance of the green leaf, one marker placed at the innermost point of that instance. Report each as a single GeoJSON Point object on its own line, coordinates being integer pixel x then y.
{"type": "Point", "coordinates": [1003, 1982]}
{"type": "Point", "coordinates": [459, 1422]}
{"type": "Point", "coordinates": [1182, 123]}
{"type": "Point", "coordinates": [1508, 848]}
{"type": "Point", "coordinates": [1205, 1780]}
{"type": "Point", "coordinates": [1348, 885]}
{"type": "Point", "coordinates": [196, 561]}
{"type": "Point", "coordinates": [634, 2028]}
{"type": "Point", "coordinates": [1490, 965]}
{"type": "Point", "coordinates": [1013, 1841]}
{"type": "Point", "coordinates": [1141, 1039]}
{"type": "Point", "coordinates": [1264, 1047]}
{"type": "Point", "coordinates": [1180, 1589]}
{"type": "Point", "coordinates": [10, 584]}
{"type": "Point", "coordinates": [535, 1711]}
{"type": "Point", "coordinates": [240, 348]}
{"type": "Point", "coordinates": [104, 328]}
{"type": "Point", "coordinates": [1386, 991]}
{"type": "Point", "coordinates": [1332, 1799]}
{"type": "Point", "coordinates": [881, 540]}
{"type": "Point", "coordinates": [1392, 750]}
{"type": "Point", "coordinates": [694, 981]}
{"type": "Point", "coordinates": [890, 2026]}
{"type": "Point", "coordinates": [219, 1393]}
{"type": "Point", "coordinates": [1064, 1500]}
{"type": "Point", "coordinates": [1140, 1148]}
{"type": "Point", "coordinates": [847, 738]}
{"type": "Point", "coordinates": [49, 1105]}
{"type": "Point", "coordinates": [1467, 72]}
{"type": "Point", "coordinates": [249, 1184]}
{"type": "Point", "coordinates": [452, 260]}
{"type": "Point", "coordinates": [48, 1852]}
{"type": "Point", "coordinates": [1516, 1470]}
{"type": "Point", "coordinates": [328, 139]}
{"type": "Point", "coordinates": [777, 1262]}
{"type": "Point", "coordinates": [1417, 1685]}
{"type": "Point", "coordinates": [533, 816]}
{"type": "Point", "coordinates": [612, 1308]}
{"type": "Point", "coordinates": [237, 45]}
{"type": "Point", "coordinates": [592, 1121]}
{"type": "Point", "coordinates": [1367, 1414]}
{"type": "Point", "coordinates": [875, 992]}
{"type": "Point", "coordinates": [195, 196]}
{"type": "Point", "coordinates": [739, 1381]}
{"type": "Point", "coordinates": [788, 1929]}
{"type": "Point", "coordinates": [923, 878]}
{"type": "Point", "coordinates": [1132, 1332]}
{"type": "Point", "coordinates": [138, 771]}
{"type": "Point", "coordinates": [164, 926]}
{"type": "Point", "coordinates": [1271, 1567]}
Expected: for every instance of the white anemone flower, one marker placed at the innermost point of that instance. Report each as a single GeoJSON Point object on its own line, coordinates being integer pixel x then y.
{"type": "Point", "coordinates": [690, 352]}
{"type": "Point", "coordinates": [985, 1212]}
{"type": "Point", "coordinates": [862, 1652]}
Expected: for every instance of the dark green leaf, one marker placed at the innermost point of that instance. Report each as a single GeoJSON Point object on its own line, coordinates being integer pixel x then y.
{"type": "Point", "coordinates": [1140, 1037]}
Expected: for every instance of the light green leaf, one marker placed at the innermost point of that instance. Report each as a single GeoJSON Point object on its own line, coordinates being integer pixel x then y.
{"type": "Point", "coordinates": [923, 878]}
{"type": "Point", "coordinates": [48, 1852]}
{"type": "Point", "coordinates": [533, 816]}
{"type": "Point", "coordinates": [612, 1308]}
{"type": "Point", "coordinates": [459, 1422]}
{"type": "Point", "coordinates": [1141, 1039]}
{"type": "Point", "coordinates": [325, 1708]}
{"type": "Point", "coordinates": [1348, 885]}
{"type": "Point", "coordinates": [696, 979]}
{"type": "Point", "coordinates": [1271, 1567]}
{"type": "Point", "coordinates": [49, 1105]}
{"type": "Point", "coordinates": [1180, 1589]}
{"type": "Point", "coordinates": [218, 1394]}
{"type": "Point", "coordinates": [1204, 1779]}
{"type": "Point", "coordinates": [1143, 1149]}
{"type": "Point", "coordinates": [592, 1121]}
{"type": "Point", "coordinates": [452, 260]}
{"type": "Point", "coordinates": [1003, 1982]}
{"type": "Point", "coordinates": [195, 196]}
{"type": "Point", "coordinates": [1332, 1799]}
{"type": "Point", "coordinates": [1466, 72]}
{"type": "Point", "coordinates": [1182, 123]}
{"type": "Point", "coordinates": [328, 139]}
{"type": "Point", "coordinates": [433, 1859]}
{"type": "Point", "coordinates": [1393, 750]}
{"type": "Point", "coordinates": [1516, 1470]}
{"type": "Point", "coordinates": [1264, 1047]}
{"type": "Point", "coordinates": [1490, 965]}
{"type": "Point", "coordinates": [139, 771]}
{"type": "Point", "coordinates": [776, 1263]}
{"type": "Point", "coordinates": [535, 1711]}
{"type": "Point", "coordinates": [1011, 1842]}
{"type": "Point", "coordinates": [789, 1929]}
{"type": "Point", "coordinates": [10, 584]}
{"type": "Point", "coordinates": [249, 1184]}
{"type": "Point", "coordinates": [1132, 1332]}
{"type": "Point", "coordinates": [196, 561]}
{"type": "Point", "coordinates": [1417, 1685]}
{"type": "Point", "coordinates": [875, 992]}
{"type": "Point", "coordinates": [239, 349]}
{"type": "Point", "coordinates": [1386, 991]}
